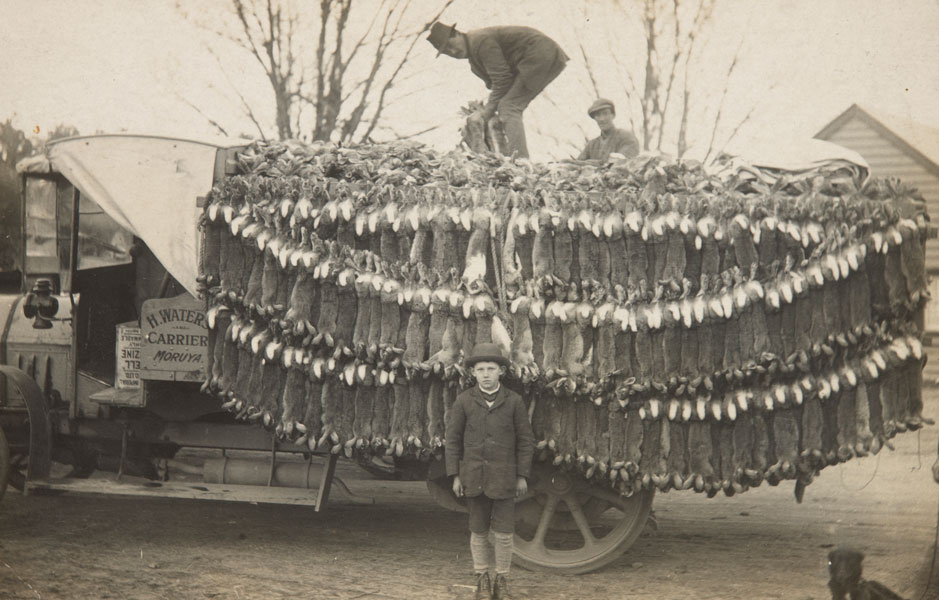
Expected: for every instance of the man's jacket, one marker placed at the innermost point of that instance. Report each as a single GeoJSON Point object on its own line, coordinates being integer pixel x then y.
{"type": "Point", "coordinates": [498, 55]}
{"type": "Point", "coordinates": [618, 140]}
{"type": "Point", "coordinates": [489, 447]}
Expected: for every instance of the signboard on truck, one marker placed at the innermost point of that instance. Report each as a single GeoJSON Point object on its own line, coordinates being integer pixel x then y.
{"type": "Point", "coordinates": [175, 339]}
{"type": "Point", "coordinates": [127, 368]}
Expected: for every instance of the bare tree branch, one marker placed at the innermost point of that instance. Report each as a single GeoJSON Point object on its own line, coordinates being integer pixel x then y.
{"type": "Point", "coordinates": [666, 68]}
{"type": "Point", "coordinates": [593, 79]}
{"type": "Point", "coordinates": [673, 67]}
{"type": "Point", "coordinates": [720, 104]}
{"type": "Point", "coordinates": [417, 92]}
{"type": "Point", "coordinates": [320, 68]}
{"type": "Point", "coordinates": [246, 107]}
{"type": "Point", "coordinates": [248, 41]}
{"type": "Point", "coordinates": [398, 136]}
{"type": "Point", "coordinates": [208, 119]}
{"type": "Point", "coordinates": [703, 15]}
{"type": "Point", "coordinates": [347, 130]}
{"type": "Point", "coordinates": [683, 123]}
{"type": "Point", "coordinates": [361, 41]}
{"type": "Point", "coordinates": [337, 68]}
{"type": "Point", "coordinates": [584, 133]}
{"type": "Point", "coordinates": [560, 144]}
{"type": "Point", "coordinates": [336, 84]}
{"type": "Point", "coordinates": [380, 105]}
{"type": "Point", "coordinates": [651, 109]}
{"type": "Point", "coordinates": [767, 94]}
{"type": "Point", "coordinates": [629, 89]}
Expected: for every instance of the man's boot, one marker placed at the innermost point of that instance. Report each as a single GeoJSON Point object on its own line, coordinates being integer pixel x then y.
{"type": "Point", "coordinates": [483, 587]}
{"type": "Point", "coordinates": [500, 589]}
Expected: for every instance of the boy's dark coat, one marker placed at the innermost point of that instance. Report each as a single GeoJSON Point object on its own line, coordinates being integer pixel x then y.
{"type": "Point", "coordinates": [489, 447]}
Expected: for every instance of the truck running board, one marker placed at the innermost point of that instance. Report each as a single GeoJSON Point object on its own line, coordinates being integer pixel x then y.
{"type": "Point", "coordinates": [192, 490]}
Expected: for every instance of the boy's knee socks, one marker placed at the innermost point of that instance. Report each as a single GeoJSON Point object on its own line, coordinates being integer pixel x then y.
{"type": "Point", "coordinates": [481, 551]}
{"type": "Point", "coordinates": [502, 543]}
{"type": "Point", "coordinates": [492, 549]}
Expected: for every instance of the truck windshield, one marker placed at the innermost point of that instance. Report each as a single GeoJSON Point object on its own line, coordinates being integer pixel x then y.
{"type": "Point", "coordinates": [41, 218]}
{"type": "Point", "coordinates": [101, 241]}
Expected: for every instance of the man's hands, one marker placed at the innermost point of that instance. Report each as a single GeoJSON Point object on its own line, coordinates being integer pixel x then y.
{"type": "Point", "coordinates": [457, 487]}
{"type": "Point", "coordinates": [488, 111]}
{"type": "Point", "coordinates": [521, 486]}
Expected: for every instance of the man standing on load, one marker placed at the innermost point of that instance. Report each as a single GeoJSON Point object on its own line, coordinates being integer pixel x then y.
{"type": "Point", "coordinates": [612, 140]}
{"type": "Point", "coordinates": [515, 62]}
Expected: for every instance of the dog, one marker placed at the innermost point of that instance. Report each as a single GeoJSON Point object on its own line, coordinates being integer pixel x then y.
{"type": "Point", "coordinates": [844, 570]}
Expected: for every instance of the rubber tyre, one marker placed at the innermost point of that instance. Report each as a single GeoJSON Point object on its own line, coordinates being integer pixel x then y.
{"type": "Point", "coordinates": [4, 463]}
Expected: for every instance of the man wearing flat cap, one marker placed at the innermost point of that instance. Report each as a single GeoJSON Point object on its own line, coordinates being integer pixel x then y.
{"type": "Point", "coordinates": [515, 62]}
{"type": "Point", "coordinates": [612, 140]}
{"type": "Point", "coordinates": [488, 453]}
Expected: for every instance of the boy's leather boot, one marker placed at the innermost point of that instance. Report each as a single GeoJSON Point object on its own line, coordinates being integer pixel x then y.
{"type": "Point", "coordinates": [500, 589]}
{"type": "Point", "coordinates": [483, 587]}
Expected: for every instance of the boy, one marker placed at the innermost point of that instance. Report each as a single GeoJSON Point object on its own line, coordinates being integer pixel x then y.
{"type": "Point", "coordinates": [488, 451]}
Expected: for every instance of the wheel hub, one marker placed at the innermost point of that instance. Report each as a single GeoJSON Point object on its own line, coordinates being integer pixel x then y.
{"type": "Point", "coordinates": [559, 484]}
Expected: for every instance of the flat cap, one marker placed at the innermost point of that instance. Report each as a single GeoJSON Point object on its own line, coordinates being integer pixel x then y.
{"type": "Point", "coordinates": [599, 104]}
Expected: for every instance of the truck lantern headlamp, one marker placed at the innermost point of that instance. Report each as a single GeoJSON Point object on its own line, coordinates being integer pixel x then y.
{"type": "Point", "coordinates": [40, 305]}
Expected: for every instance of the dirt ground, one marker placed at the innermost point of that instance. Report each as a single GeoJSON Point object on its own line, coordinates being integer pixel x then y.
{"type": "Point", "coordinates": [760, 544]}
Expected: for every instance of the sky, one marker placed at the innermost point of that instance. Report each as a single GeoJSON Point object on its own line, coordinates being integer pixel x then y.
{"type": "Point", "coordinates": [136, 66]}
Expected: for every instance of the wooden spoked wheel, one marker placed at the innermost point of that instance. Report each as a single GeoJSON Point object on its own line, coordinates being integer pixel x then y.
{"type": "Point", "coordinates": [571, 526]}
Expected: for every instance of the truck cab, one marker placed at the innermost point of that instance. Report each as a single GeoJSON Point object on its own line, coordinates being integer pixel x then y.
{"type": "Point", "coordinates": [84, 272]}
{"type": "Point", "coordinates": [74, 290]}
{"type": "Point", "coordinates": [103, 344]}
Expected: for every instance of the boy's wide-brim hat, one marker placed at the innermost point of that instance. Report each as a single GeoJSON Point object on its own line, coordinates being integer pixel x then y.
{"type": "Point", "coordinates": [487, 352]}
{"type": "Point", "coordinates": [439, 34]}
{"type": "Point", "coordinates": [599, 104]}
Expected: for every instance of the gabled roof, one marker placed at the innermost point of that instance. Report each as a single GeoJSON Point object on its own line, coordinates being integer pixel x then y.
{"type": "Point", "coordinates": [919, 141]}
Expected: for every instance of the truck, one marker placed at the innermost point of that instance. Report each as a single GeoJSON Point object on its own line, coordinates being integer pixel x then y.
{"type": "Point", "coordinates": [280, 306]}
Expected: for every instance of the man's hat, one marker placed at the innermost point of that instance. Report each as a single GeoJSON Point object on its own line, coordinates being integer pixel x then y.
{"type": "Point", "coordinates": [486, 352]}
{"type": "Point", "coordinates": [439, 34]}
{"type": "Point", "coordinates": [599, 104]}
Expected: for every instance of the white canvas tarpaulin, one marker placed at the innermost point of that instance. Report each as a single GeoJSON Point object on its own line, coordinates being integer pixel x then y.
{"type": "Point", "coordinates": [149, 186]}
{"type": "Point", "coordinates": [794, 158]}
